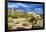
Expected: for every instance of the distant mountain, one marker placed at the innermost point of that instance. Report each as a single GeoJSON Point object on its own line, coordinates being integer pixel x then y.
{"type": "Point", "coordinates": [17, 11]}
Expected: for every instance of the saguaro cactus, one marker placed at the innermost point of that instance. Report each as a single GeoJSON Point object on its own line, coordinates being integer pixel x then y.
{"type": "Point", "coordinates": [12, 11]}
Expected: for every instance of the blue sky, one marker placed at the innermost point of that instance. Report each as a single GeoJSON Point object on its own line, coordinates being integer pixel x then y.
{"type": "Point", "coordinates": [37, 8]}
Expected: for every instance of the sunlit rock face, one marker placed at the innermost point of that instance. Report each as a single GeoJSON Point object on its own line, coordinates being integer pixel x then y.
{"type": "Point", "coordinates": [38, 21]}
{"type": "Point", "coordinates": [32, 19]}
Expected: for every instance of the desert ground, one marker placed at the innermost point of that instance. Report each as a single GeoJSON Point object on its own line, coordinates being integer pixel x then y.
{"type": "Point", "coordinates": [24, 21]}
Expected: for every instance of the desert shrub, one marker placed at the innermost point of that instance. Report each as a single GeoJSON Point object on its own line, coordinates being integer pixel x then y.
{"type": "Point", "coordinates": [9, 19]}
{"type": "Point", "coordinates": [31, 19]}
{"type": "Point", "coordinates": [22, 16]}
{"type": "Point", "coordinates": [13, 16]}
{"type": "Point", "coordinates": [26, 16]}
{"type": "Point", "coordinates": [10, 15]}
{"type": "Point", "coordinates": [9, 27]}
{"type": "Point", "coordinates": [17, 22]}
{"type": "Point", "coordinates": [42, 17]}
{"type": "Point", "coordinates": [25, 24]}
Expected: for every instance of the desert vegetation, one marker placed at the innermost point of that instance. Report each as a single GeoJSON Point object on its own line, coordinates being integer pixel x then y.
{"type": "Point", "coordinates": [25, 20]}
